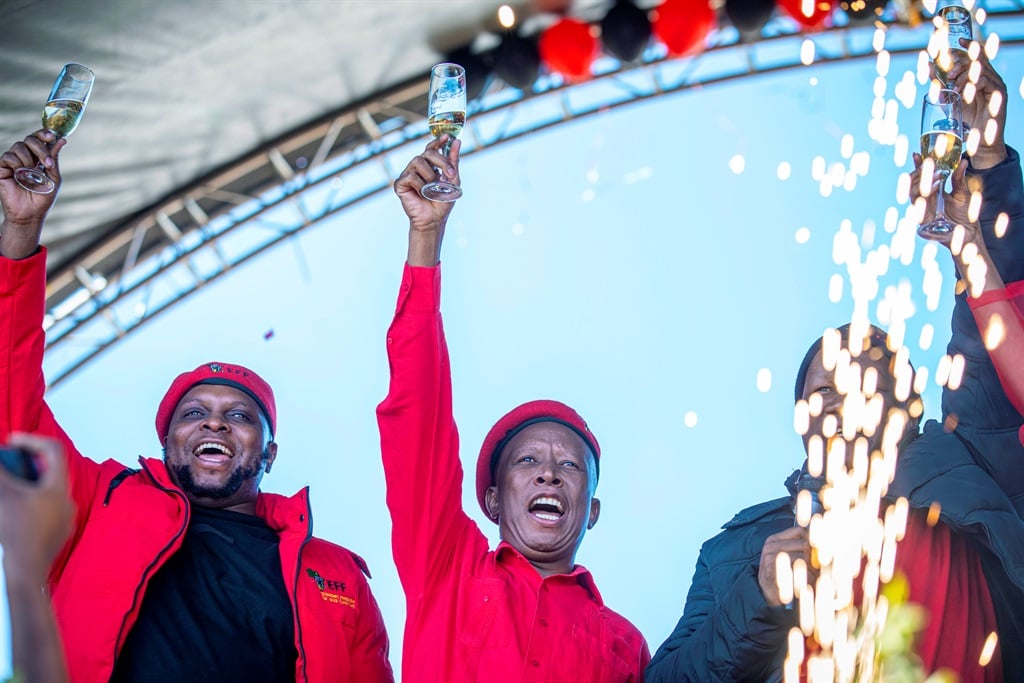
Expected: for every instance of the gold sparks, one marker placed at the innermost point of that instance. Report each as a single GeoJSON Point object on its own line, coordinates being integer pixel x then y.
{"type": "Point", "coordinates": [988, 649]}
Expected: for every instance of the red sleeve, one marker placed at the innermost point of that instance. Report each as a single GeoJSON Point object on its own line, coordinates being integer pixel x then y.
{"type": "Point", "coordinates": [419, 440]}
{"type": "Point", "coordinates": [1008, 305]}
{"type": "Point", "coordinates": [22, 386]}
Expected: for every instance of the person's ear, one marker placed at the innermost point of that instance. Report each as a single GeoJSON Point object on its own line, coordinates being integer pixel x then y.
{"type": "Point", "coordinates": [269, 455]}
{"type": "Point", "coordinates": [491, 500]}
{"type": "Point", "coordinates": [595, 512]}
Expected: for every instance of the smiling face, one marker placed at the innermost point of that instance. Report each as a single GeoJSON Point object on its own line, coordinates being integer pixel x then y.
{"type": "Point", "coordinates": [218, 447]}
{"type": "Point", "coordinates": [543, 497]}
{"type": "Point", "coordinates": [827, 403]}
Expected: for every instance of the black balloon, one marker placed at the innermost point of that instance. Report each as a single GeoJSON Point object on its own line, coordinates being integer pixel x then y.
{"type": "Point", "coordinates": [749, 16]}
{"type": "Point", "coordinates": [625, 31]}
{"type": "Point", "coordinates": [517, 61]}
{"type": "Point", "coordinates": [478, 66]}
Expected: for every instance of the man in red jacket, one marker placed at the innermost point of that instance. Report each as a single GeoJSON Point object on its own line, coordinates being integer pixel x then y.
{"type": "Point", "coordinates": [181, 570]}
{"type": "Point", "coordinates": [522, 612]}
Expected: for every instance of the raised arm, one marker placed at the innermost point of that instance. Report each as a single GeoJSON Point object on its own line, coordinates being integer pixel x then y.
{"type": "Point", "coordinates": [23, 286]}
{"type": "Point", "coordinates": [419, 441]}
{"type": "Point", "coordinates": [996, 292]}
{"type": "Point", "coordinates": [35, 520]}
{"type": "Point", "coordinates": [24, 211]}
{"type": "Point", "coordinates": [989, 257]}
{"type": "Point", "coordinates": [22, 300]}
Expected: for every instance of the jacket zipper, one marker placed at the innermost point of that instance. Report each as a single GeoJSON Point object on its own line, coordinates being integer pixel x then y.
{"type": "Point", "coordinates": [157, 561]}
{"type": "Point", "coordinates": [295, 588]}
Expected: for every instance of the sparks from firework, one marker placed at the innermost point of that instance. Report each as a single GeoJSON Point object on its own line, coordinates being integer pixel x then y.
{"type": "Point", "coordinates": [856, 537]}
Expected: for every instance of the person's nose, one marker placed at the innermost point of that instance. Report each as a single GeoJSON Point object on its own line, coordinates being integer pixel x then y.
{"type": "Point", "coordinates": [548, 474]}
{"type": "Point", "coordinates": [215, 423]}
{"type": "Point", "coordinates": [833, 404]}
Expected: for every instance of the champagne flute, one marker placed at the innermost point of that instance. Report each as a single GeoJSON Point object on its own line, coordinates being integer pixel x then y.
{"type": "Point", "coordinates": [953, 22]}
{"type": "Point", "coordinates": [942, 144]}
{"type": "Point", "coordinates": [447, 111]}
{"type": "Point", "coordinates": [61, 114]}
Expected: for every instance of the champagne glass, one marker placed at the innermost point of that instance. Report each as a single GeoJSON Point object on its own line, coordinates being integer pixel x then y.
{"type": "Point", "coordinates": [447, 111]}
{"type": "Point", "coordinates": [61, 114]}
{"type": "Point", "coordinates": [942, 143]}
{"type": "Point", "coordinates": [953, 22]}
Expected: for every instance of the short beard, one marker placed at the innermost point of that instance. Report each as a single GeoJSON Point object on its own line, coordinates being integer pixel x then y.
{"type": "Point", "coordinates": [183, 476]}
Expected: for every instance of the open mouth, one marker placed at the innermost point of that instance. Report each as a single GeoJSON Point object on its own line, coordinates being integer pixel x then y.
{"type": "Point", "coordinates": [212, 453]}
{"type": "Point", "coordinates": [546, 508]}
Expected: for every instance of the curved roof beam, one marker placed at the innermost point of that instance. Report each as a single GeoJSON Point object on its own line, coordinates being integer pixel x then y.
{"type": "Point", "coordinates": [162, 255]}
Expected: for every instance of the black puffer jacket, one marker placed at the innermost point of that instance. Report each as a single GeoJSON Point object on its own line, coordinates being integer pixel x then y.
{"type": "Point", "coordinates": [976, 474]}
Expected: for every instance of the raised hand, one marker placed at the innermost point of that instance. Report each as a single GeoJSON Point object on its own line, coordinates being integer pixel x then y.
{"type": "Point", "coordinates": [24, 211]}
{"type": "Point", "coordinates": [982, 90]}
{"type": "Point", "coordinates": [427, 218]}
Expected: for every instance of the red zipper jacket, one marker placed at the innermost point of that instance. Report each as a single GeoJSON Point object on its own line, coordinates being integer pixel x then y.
{"type": "Point", "coordinates": [129, 522]}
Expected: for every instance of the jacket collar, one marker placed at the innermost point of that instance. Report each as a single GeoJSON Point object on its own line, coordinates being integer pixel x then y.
{"type": "Point", "coordinates": [281, 513]}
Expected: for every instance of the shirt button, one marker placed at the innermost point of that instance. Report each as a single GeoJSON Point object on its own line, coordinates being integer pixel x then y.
{"type": "Point", "coordinates": [487, 598]}
{"type": "Point", "coordinates": [534, 662]}
{"type": "Point", "coordinates": [543, 621]}
{"type": "Point", "coordinates": [390, 340]}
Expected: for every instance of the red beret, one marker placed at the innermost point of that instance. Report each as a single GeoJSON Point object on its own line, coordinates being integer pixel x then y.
{"type": "Point", "coordinates": [226, 374]}
{"type": "Point", "coordinates": [514, 422]}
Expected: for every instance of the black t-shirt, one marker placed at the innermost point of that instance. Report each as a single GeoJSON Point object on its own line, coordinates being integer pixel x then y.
{"type": "Point", "coordinates": [217, 611]}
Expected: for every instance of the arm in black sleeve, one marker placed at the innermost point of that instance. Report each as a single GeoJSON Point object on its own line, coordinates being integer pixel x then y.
{"type": "Point", "coordinates": [980, 403]}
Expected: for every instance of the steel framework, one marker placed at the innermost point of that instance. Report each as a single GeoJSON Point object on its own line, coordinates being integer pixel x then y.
{"type": "Point", "coordinates": [157, 258]}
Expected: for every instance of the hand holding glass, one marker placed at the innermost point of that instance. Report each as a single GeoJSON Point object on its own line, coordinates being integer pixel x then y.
{"type": "Point", "coordinates": [942, 146]}
{"type": "Point", "coordinates": [953, 22]}
{"type": "Point", "coordinates": [447, 111]}
{"type": "Point", "coordinates": [61, 114]}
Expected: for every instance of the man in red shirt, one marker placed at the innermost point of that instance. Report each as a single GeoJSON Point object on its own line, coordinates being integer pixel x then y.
{"type": "Point", "coordinates": [524, 611]}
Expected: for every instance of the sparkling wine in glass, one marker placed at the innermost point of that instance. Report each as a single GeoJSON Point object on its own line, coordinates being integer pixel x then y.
{"type": "Point", "coordinates": [61, 114]}
{"type": "Point", "coordinates": [447, 111]}
{"type": "Point", "coordinates": [952, 22]}
{"type": "Point", "coordinates": [942, 143]}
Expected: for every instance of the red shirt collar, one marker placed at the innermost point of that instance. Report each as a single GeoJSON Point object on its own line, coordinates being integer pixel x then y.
{"type": "Point", "coordinates": [507, 556]}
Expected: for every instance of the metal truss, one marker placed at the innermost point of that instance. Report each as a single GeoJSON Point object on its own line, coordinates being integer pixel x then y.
{"type": "Point", "coordinates": [158, 258]}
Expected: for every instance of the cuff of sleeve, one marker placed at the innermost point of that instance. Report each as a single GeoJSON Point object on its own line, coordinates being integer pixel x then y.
{"type": "Point", "coordinates": [14, 271]}
{"type": "Point", "coordinates": [421, 288]}
{"type": "Point", "coordinates": [1012, 159]}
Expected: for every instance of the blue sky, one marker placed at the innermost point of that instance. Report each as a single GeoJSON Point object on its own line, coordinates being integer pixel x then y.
{"type": "Point", "coordinates": [622, 263]}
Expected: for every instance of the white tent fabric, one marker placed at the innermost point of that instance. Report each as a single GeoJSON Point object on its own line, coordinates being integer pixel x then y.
{"type": "Point", "coordinates": [184, 87]}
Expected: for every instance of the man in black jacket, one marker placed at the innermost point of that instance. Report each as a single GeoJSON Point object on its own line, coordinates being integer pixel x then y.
{"type": "Point", "coordinates": [735, 623]}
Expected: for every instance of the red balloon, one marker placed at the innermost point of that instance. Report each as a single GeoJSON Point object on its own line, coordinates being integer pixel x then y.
{"type": "Point", "coordinates": [821, 12]}
{"type": "Point", "coordinates": [568, 47]}
{"type": "Point", "coordinates": [682, 25]}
